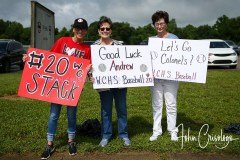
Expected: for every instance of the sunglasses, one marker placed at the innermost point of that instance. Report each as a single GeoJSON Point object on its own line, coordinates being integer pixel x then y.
{"type": "Point", "coordinates": [103, 28]}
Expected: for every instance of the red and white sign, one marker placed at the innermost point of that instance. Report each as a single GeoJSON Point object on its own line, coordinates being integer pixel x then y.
{"type": "Point", "coordinates": [53, 77]}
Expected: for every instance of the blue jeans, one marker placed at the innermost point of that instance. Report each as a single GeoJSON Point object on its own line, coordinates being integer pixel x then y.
{"type": "Point", "coordinates": [53, 119]}
{"type": "Point", "coordinates": [106, 98]}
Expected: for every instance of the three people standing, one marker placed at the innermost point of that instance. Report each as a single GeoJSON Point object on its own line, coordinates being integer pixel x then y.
{"type": "Point", "coordinates": [162, 89]}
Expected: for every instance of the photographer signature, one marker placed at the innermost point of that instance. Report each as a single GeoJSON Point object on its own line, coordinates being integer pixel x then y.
{"type": "Point", "coordinates": [220, 141]}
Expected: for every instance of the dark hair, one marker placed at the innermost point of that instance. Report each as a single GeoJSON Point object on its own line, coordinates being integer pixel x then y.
{"type": "Point", "coordinates": [104, 19]}
{"type": "Point", "coordinates": [159, 15]}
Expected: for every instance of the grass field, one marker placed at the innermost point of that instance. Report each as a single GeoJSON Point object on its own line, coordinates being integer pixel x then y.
{"type": "Point", "coordinates": [23, 122]}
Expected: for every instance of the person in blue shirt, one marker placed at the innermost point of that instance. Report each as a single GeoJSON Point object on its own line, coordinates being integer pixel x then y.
{"type": "Point", "coordinates": [164, 90]}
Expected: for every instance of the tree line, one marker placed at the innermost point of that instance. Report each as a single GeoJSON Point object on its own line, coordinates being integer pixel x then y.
{"type": "Point", "coordinates": [224, 28]}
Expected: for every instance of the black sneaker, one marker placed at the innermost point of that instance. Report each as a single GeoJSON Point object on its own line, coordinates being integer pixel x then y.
{"type": "Point", "coordinates": [48, 151]}
{"type": "Point", "coordinates": [72, 148]}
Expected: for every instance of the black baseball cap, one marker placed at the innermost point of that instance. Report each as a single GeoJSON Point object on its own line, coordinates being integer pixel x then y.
{"type": "Point", "coordinates": [80, 23]}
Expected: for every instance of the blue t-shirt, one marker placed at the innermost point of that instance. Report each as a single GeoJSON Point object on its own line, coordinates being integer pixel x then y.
{"type": "Point", "coordinates": [170, 36]}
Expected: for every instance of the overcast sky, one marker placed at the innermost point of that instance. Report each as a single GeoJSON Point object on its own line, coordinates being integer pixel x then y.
{"type": "Point", "coordinates": [135, 12]}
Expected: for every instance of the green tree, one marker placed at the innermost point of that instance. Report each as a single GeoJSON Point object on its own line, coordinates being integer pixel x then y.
{"type": "Point", "coordinates": [25, 36]}
{"type": "Point", "coordinates": [206, 32]}
{"type": "Point", "coordinates": [92, 33]}
{"type": "Point", "coordinates": [172, 26]}
{"type": "Point", "coordinates": [64, 32]}
{"type": "Point", "coordinates": [142, 33]}
{"type": "Point", "coordinates": [3, 26]}
{"type": "Point", "coordinates": [56, 31]}
{"type": "Point", "coordinates": [228, 28]}
{"type": "Point", "coordinates": [222, 27]}
{"type": "Point", "coordinates": [14, 30]}
{"type": "Point", "coordinates": [122, 31]}
{"type": "Point", "coordinates": [235, 29]}
{"type": "Point", "coordinates": [189, 32]}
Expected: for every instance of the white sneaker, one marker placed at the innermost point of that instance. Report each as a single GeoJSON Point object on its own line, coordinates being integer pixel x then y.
{"type": "Point", "coordinates": [154, 137]}
{"type": "Point", "coordinates": [103, 142]}
{"type": "Point", "coordinates": [126, 141]}
{"type": "Point", "coordinates": [174, 136]}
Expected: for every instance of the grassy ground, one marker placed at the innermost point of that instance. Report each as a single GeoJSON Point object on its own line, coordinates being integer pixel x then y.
{"type": "Point", "coordinates": [23, 122]}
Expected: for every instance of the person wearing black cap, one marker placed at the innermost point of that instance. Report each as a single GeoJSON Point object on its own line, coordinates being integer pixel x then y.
{"type": "Point", "coordinates": [72, 46]}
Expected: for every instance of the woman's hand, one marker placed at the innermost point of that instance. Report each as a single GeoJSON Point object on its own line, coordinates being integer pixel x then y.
{"type": "Point", "coordinates": [89, 70]}
{"type": "Point", "coordinates": [92, 79]}
{"type": "Point", "coordinates": [24, 58]}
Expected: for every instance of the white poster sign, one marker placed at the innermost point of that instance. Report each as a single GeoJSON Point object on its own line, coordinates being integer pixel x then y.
{"type": "Point", "coordinates": [179, 59]}
{"type": "Point", "coordinates": [116, 66]}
